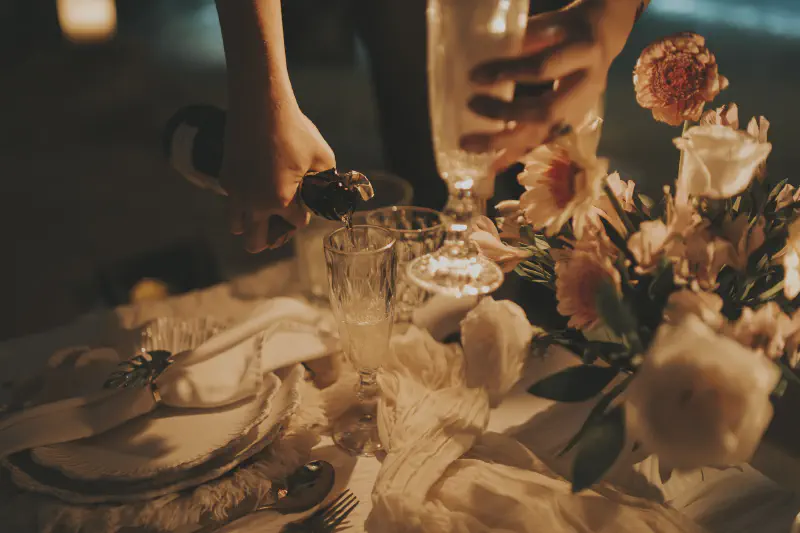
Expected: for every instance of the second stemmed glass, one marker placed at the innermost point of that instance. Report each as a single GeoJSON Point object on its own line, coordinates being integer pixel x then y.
{"type": "Point", "coordinates": [362, 275]}
{"type": "Point", "coordinates": [461, 34]}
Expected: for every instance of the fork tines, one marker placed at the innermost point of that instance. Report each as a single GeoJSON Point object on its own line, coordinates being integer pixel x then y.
{"type": "Point", "coordinates": [336, 512]}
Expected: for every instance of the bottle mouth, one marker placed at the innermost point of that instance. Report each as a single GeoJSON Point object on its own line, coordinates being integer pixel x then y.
{"type": "Point", "coordinates": [359, 182]}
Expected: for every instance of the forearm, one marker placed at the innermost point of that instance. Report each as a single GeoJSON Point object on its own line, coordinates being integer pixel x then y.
{"type": "Point", "coordinates": [618, 18]}
{"type": "Point", "coordinates": [252, 33]}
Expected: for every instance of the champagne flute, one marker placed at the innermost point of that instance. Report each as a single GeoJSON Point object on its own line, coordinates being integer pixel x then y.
{"type": "Point", "coordinates": [462, 34]}
{"type": "Point", "coordinates": [362, 274]}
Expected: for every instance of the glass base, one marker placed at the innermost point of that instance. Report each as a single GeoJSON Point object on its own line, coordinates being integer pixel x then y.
{"type": "Point", "coordinates": [453, 274]}
{"type": "Point", "coordinates": [356, 432]}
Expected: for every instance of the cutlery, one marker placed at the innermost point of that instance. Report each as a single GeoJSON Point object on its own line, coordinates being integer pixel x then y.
{"type": "Point", "coordinates": [326, 519]}
{"type": "Point", "coordinates": [303, 489]}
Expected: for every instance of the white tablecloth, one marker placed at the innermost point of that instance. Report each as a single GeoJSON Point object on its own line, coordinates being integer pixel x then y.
{"type": "Point", "coordinates": [729, 501]}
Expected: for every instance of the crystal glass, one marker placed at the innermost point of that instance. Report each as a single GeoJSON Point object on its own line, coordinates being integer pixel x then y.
{"type": "Point", "coordinates": [418, 231]}
{"type": "Point", "coordinates": [389, 190]}
{"type": "Point", "coordinates": [362, 274]}
{"type": "Point", "coordinates": [462, 34]}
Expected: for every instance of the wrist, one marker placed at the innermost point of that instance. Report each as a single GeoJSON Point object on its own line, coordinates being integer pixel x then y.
{"type": "Point", "coordinates": [614, 20]}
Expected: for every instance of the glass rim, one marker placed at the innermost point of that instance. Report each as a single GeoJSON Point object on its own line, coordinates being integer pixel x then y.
{"type": "Point", "coordinates": [394, 208]}
{"type": "Point", "coordinates": [382, 249]}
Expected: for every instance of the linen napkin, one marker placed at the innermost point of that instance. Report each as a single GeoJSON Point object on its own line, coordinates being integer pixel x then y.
{"type": "Point", "coordinates": [226, 369]}
{"type": "Point", "coordinates": [444, 473]}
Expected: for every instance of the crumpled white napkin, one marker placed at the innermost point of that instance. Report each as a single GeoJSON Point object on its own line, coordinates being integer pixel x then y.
{"type": "Point", "coordinates": [226, 369]}
{"type": "Point", "coordinates": [444, 473]}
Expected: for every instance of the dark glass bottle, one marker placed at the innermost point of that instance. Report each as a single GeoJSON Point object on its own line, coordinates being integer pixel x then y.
{"type": "Point", "coordinates": [194, 145]}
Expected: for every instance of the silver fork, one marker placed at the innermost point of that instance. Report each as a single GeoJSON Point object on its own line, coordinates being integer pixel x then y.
{"type": "Point", "coordinates": [326, 519]}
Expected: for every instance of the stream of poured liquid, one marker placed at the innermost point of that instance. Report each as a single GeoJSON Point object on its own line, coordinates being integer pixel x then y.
{"type": "Point", "coordinates": [347, 220]}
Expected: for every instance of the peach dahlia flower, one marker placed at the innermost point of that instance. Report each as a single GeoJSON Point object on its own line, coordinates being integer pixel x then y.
{"type": "Point", "coordinates": [675, 77]}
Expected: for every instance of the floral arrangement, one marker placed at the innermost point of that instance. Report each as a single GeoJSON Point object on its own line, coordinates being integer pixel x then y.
{"type": "Point", "coordinates": [684, 310]}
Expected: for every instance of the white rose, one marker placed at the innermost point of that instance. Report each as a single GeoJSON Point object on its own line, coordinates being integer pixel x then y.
{"type": "Point", "coordinates": [496, 336]}
{"type": "Point", "coordinates": [699, 398]}
{"type": "Point", "coordinates": [719, 162]}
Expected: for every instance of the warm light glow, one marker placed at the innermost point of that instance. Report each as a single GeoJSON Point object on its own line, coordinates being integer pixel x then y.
{"type": "Point", "coordinates": [87, 20]}
{"type": "Point", "coordinates": [498, 24]}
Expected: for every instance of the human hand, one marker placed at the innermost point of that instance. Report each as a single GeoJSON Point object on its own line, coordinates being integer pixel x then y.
{"type": "Point", "coordinates": [268, 150]}
{"type": "Point", "coordinates": [567, 51]}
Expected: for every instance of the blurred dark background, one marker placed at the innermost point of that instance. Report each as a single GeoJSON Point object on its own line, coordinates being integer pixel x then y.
{"type": "Point", "coordinates": [89, 204]}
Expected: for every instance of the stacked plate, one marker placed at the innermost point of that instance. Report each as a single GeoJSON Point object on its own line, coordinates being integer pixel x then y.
{"type": "Point", "coordinates": [170, 449]}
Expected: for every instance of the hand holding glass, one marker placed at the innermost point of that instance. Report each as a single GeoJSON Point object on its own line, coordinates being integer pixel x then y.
{"type": "Point", "coordinates": [462, 34]}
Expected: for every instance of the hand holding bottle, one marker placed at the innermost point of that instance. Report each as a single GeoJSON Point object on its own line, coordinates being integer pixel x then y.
{"type": "Point", "coordinates": [267, 153]}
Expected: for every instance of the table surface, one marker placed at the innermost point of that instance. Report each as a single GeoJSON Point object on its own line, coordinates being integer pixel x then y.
{"type": "Point", "coordinates": [739, 501]}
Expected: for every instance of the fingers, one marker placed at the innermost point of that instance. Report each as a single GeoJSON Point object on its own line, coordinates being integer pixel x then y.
{"type": "Point", "coordinates": [272, 229]}
{"type": "Point", "coordinates": [267, 233]}
{"type": "Point", "coordinates": [549, 64]}
{"type": "Point", "coordinates": [536, 119]}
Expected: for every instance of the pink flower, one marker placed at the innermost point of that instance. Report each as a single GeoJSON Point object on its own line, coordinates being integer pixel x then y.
{"type": "Point", "coordinates": [744, 239]}
{"type": "Point", "coordinates": [579, 275]}
{"type": "Point", "coordinates": [758, 128]}
{"type": "Point", "coordinates": [707, 306]}
{"type": "Point", "coordinates": [510, 220]}
{"type": "Point", "coordinates": [788, 195]}
{"type": "Point", "coordinates": [764, 330]}
{"type": "Point", "coordinates": [699, 258]}
{"type": "Point", "coordinates": [487, 238]}
{"type": "Point", "coordinates": [623, 191]}
{"type": "Point", "coordinates": [648, 244]}
{"type": "Point", "coordinates": [727, 115]}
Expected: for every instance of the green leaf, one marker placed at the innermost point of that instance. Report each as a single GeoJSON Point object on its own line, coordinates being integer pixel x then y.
{"type": "Point", "coordinates": [574, 384]}
{"type": "Point", "coordinates": [777, 189]}
{"type": "Point", "coordinates": [663, 283]}
{"type": "Point", "coordinates": [646, 201]}
{"type": "Point", "coordinates": [139, 371]}
{"type": "Point", "coordinates": [616, 314]}
{"type": "Point", "coordinates": [596, 414]}
{"type": "Point", "coordinates": [599, 449]}
{"type": "Point", "coordinates": [771, 292]}
{"type": "Point", "coordinates": [771, 246]}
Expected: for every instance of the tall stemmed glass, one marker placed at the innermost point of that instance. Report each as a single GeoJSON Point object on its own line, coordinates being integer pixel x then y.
{"type": "Point", "coordinates": [362, 274]}
{"type": "Point", "coordinates": [462, 34]}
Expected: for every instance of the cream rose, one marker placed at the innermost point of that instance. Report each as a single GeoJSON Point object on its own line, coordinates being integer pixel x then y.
{"type": "Point", "coordinates": [719, 162]}
{"type": "Point", "coordinates": [699, 398]}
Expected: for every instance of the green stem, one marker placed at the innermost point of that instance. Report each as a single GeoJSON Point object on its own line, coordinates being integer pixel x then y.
{"type": "Point", "coordinates": [626, 221]}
